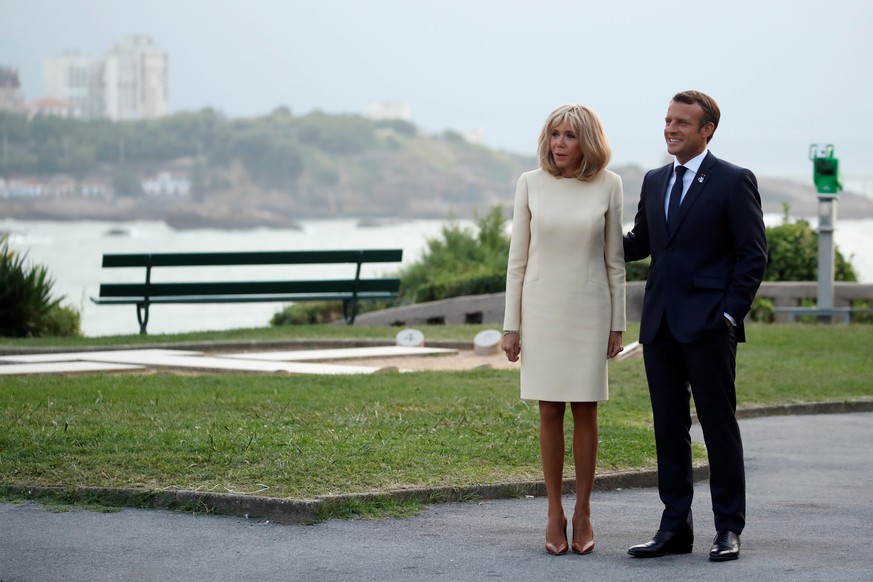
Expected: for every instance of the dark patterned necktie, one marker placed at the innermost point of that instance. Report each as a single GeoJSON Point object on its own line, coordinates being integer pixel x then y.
{"type": "Point", "coordinates": [675, 197]}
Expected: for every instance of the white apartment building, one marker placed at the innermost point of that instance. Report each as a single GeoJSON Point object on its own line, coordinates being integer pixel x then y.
{"type": "Point", "coordinates": [129, 83]}
{"type": "Point", "coordinates": [135, 80]}
{"type": "Point", "coordinates": [72, 79]}
{"type": "Point", "coordinates": [384, 110]}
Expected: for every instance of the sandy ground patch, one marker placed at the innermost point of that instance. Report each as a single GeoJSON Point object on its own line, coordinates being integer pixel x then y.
{"type": "Point", "coordinates": [463, 360]}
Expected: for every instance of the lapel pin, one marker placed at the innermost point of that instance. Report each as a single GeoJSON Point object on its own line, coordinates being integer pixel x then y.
{"type": "Point", "coordinates": [701, 177]}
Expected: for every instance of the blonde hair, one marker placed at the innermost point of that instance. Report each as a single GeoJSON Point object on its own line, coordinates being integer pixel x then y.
{"type": "Point", "coordinates": [592, 141]}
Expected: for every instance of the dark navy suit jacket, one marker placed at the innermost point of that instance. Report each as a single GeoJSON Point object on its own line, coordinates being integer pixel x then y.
{"type": "Point", "coordinates": [714, 260]}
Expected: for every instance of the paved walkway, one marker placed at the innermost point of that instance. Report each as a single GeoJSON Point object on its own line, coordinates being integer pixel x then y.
{"type": "Point", "coordinates": [810, 517]}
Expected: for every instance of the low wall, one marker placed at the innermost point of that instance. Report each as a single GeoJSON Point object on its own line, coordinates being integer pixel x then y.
{"type": "Point", "coordinates": [489, 308]}
{"type": "Point", "coordinates": [788, 294]}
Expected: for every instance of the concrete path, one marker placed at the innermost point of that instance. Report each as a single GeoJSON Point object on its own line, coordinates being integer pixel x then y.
{"type": "Point", "coordinates": [810, 517]}
{"type": "Point", "coordinates": [294, 362]}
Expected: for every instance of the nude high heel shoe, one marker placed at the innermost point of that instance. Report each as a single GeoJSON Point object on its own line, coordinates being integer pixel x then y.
{"type": "Point", "coordinates": [582, 548]}
{"type": "Point", "coordinates": [557, 549]}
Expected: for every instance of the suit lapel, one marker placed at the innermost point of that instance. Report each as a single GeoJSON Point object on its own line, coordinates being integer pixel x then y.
{"type": "Point", "coordinates": [698, 183]}
{"type": "Point", "coordinates": [661, 198]}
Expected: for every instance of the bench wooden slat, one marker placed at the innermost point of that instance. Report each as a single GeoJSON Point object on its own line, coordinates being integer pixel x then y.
{"type": "Point", "coordinates": [336, 287]}
{"type": "Point", "coordinates": [246, 298]}
{"type": "Point", "coordinates": [252, 258]}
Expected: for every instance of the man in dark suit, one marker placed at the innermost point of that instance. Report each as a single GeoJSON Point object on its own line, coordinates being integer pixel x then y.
{"type": "Point", "coordinates": [704, 230]}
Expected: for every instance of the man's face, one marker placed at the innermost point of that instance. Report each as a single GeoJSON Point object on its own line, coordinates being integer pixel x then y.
{"type": "Point", "coordinates": [685, 138]}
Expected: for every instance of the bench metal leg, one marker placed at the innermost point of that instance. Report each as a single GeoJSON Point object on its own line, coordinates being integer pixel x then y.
{"type": "Point", "coordinates": [142, 316]}
{"type": "Point", "coordinates": [350, 308]}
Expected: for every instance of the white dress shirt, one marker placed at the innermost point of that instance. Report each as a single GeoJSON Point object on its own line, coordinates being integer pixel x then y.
{"type": "Point", "coordinates": [693, 165]}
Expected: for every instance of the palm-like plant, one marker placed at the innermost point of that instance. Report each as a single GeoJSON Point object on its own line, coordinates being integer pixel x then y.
{"type": "Point", "coordinates": [25, 294]}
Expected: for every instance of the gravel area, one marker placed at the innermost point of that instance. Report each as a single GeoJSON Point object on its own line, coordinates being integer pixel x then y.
{"type": "Point", "coordinates": [463, 360]}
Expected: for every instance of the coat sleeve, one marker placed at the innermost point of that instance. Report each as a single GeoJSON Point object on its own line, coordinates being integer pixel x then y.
{"type": "Point", "coordinates": [636, 242]}
{"type": "Point", "coordinates": [613, 251]}
{"type": "Point", "coordinates": [746, 223]}
{"type": "Point", "coordinates": [519, 244]}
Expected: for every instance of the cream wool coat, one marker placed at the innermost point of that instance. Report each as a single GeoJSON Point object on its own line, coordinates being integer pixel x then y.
{"type": "Point", "coordinates": [565, 283]}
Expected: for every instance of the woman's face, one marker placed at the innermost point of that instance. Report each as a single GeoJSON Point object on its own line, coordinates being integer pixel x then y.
{"type": "Point", "coordinates": [564, 145]}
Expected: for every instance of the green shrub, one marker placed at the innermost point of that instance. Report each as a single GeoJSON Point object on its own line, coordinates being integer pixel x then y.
{"type": "Point", "coordinates": [862, 316]}
{"type": "Point", "coordinates": [463, 261]}
{"type": "Point", "coordinates": [62, 321]}
{"type": "Point", "coordinates": [306, 313]}
{"type": "Point", "coordinates": [762, 310]}
{"type": "Point", "coordinates": [447, 285]}
{"type": "Point", "coordinates": [793, 253]}
{"type": "Point", "coordinates": [27, 308]}
{"type": "Point", "coordinates": [637, 270]}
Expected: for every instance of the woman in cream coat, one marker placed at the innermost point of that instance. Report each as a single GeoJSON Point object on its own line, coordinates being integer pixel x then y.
{"type": "Point", "coordinates": [565, 301]}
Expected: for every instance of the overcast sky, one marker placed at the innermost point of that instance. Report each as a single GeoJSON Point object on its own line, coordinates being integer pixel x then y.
{"type": "Point", "coordinates": [785, 73]}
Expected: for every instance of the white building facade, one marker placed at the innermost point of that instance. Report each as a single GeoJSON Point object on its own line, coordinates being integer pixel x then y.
{"type": "Point", "coordinates": [386, 110]}
{"type": "Point", "coordinates": [129, 83]}
{"type": "Point", "coordinates": [69, 79]}
{"type": "Point", "coordinates": [135, 80]}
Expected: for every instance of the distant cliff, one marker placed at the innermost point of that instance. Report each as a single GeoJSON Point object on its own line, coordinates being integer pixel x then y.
{"type": "Point", "coordinates": [279, 169]}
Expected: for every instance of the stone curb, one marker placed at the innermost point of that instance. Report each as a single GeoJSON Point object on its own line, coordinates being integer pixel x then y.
{"type": "Point", "coordinates": [270, 508]}
{"type": "Point", "coordinates": [835, 407]}
{"type": "Point", "coordinates": [307, 511]}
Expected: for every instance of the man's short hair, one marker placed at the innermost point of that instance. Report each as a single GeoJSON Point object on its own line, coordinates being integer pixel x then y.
{"type": "Point", "coordinates": [711, 112]}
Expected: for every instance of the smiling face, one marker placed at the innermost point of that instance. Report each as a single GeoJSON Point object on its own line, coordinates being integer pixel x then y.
{"type": "Point", "coordinates": [565, 148]}
{"type": "Point", "coordinates": [685, 138]}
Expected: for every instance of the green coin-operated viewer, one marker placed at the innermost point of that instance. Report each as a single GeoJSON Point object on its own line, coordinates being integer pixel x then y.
{"type": "Point", "coordinates": [825, 170]}
{"type": "Point", "coordinates": [825, 174]}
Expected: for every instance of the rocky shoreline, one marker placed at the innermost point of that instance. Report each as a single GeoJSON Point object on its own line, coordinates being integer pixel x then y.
{"type": "Point", "coordinates": [230, 213]}
{"type": "Point", "coordinates": [176, 216]}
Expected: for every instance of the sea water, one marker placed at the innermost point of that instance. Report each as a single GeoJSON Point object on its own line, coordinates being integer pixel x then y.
{"type": "Point", "coordinates": [72, 253]}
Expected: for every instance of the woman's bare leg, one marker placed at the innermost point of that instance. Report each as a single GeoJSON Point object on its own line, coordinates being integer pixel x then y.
{"type": "Point", "coordinates": [585, 458]}
{"type": "Point", "coordinates": [552, 450]}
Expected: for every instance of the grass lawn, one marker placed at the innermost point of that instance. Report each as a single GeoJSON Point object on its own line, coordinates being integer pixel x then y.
{"type": "Point", "coordinates": [303, 436]}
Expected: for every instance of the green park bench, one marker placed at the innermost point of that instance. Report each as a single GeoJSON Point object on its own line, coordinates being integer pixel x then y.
{"type": "Point", "coordinates": [349, 290]}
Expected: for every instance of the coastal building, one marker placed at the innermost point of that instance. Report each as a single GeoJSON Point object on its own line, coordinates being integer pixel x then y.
{"type": "Point", "coordinates": [475, 136]}
{"type": "Point", "coordinates": [165, 184]}
{"type": "Point", "coordinates": [75, 80]}
{"type": "Point", "coordinates": [11, 97]}
{"type": "Point", "coordinates": [128, 83]}
{"type": "Point", "coordinates": [135, 80]}
{"type": "Point", "coordinates": [58, 186]}
{"type": "Point", "coordinates": [53, 107]}
{"type": "Point", "coordinates": [384, 110]}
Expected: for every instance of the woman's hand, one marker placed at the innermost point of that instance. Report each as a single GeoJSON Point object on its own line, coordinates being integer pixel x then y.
{"type": "Point", "coordinates": [615, 345]}
{"type": "Point", "coordinates": [512, 345]}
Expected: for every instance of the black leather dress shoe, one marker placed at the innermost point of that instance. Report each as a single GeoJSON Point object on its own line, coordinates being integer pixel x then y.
{"type": "Point", "coordinates": [664, 542]}
{"type": "Point", "coordinates": [725, 546]}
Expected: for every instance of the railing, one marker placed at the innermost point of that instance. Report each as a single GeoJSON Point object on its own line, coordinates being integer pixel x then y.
{"type": "Point", "coordinates": [787, 298]}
